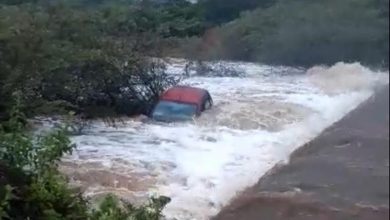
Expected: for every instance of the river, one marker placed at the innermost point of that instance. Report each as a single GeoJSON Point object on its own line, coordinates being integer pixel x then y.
{"type": "Point", "coordinates": [258, 120]}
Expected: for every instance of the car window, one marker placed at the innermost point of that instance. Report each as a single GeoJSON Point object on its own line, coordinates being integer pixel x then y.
{"type": "Point", "coordinates": [174, 110]}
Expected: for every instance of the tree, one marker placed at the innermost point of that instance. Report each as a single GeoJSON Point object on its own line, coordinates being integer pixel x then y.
{"type": "Point", "coordinates": [307, 32]}
{"type": "Point", "coordinates": [221, 11]}
{"type": "Point", "coordinates": [63, 57]}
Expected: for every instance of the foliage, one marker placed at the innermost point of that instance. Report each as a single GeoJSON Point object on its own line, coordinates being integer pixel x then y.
{"type": "Point", "coordinates": [222, 11]}
{"type": "Point", "coordinates": [111, 208]}
{"type": "Point", "coordinates": [306, 33]}
{"type": "Point", "coordinates": [31, 186]}
{"type": "Point", "coordinates": [63, 57]}
{"type": "Point", "coordinates": [79, 32]}
{"type": "Point", "coordinates": [40, 192]}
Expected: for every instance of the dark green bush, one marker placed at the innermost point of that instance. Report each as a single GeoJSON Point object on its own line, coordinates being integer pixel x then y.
{"type": "Point", "coordinates": [31, 187]}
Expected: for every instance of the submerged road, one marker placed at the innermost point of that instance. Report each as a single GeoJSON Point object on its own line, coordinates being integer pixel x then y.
{"type": "Point", "coordinates": [258, 119]}
{"type": "Point", "coordinates": [342, 174]}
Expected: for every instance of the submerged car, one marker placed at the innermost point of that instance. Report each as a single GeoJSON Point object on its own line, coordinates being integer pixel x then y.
{"type": "Point", "coordinates": [182, 103]}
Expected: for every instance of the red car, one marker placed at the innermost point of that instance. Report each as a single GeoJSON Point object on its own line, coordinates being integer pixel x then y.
{"type": "Point", "coordinates": [182, 103]}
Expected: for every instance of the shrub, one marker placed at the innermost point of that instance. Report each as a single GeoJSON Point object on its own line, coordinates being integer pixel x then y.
{"type": "Point", "coordinates": [31, 187]}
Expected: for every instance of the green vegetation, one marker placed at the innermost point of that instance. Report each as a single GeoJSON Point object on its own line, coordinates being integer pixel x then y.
{"type": "Point", "coordinates": [222, 11]}
{"type": "Point", "coordinates": [31, 186]}
{"type": "Point", "coordinates": [307, 32]}
{"type": "Point", "coordinates": [92, 57]}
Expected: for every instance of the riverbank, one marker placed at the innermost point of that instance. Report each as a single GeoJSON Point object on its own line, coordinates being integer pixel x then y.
{"type": "Point", "coordinates": [342, 174]}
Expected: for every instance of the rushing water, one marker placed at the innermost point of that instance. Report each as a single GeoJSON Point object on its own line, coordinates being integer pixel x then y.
{"type": "Point", "coordinates": [257, 121]}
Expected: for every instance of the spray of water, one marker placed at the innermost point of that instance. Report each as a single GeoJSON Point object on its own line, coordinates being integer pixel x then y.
{"type": "Point", "coordinates": [258, 120]}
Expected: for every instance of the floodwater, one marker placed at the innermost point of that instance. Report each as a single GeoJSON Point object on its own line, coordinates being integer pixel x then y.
{"type": "Point", "coordinates": [258, 120]}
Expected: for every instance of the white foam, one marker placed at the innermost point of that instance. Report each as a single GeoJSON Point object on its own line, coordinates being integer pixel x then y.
{"type": "Point", "coordinates": [203, 165]}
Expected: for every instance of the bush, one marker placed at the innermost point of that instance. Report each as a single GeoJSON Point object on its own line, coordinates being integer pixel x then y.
{"type": "Point", "coordinates": [112, 209]}
{"type": "Point", "coordinates": [31, 187]}
{"type": "Point", "coordinates": [86, 59]}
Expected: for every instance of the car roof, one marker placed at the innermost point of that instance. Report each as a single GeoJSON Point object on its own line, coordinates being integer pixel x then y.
{"type": "Point", "coordinates": [184, 94]}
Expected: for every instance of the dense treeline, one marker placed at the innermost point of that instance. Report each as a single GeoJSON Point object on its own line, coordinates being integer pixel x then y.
{"type": "Point", "coordinates": [88, 58]}
{"type": "Point", "coordinates": [222, 11]}
{"type": "Point", "coordinates": [306, 32]}
{"type": "Point", "coordinates": [72, 54]}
